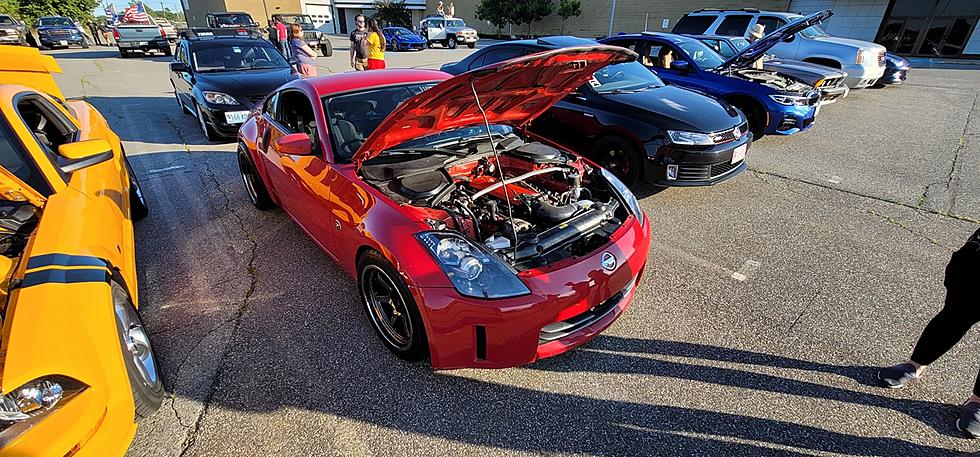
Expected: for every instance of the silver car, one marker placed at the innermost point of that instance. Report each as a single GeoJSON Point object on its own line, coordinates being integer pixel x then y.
{"type": "Point", "coordinates": [448, 32]}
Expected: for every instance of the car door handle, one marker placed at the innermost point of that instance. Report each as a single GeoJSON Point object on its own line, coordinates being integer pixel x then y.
{"type": "Point", "coordinates": [588, 115]}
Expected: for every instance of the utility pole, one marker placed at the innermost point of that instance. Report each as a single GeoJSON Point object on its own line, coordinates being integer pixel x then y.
{"type": "Point", "coordinates": [612, 17]}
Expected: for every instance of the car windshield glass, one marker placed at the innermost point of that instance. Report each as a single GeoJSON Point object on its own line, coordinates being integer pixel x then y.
{"type": "Point", "coordinates": [624, 77]}
{"type": "Point", "coordinates": [740, 43]}
{"type": "Point", "coordinates": [813, 31]}
{"type": "Point", "coordinates": [455, 23]}
{"type": "Point", "coordinates": [233, 19]}
{"type": "Point", "coordinates": [353, 117]}
{"type": "Point", "coordinates": [296, 19]}
{"type": "Point", "coordinates": [453, 138]}
{"type": "Point", "coordinates": [701, 54]}
{"type": "Point", "coordinates": [399, 31]}
{"type": "Point", "coordinates": [55, 22]}
{"type": "Point", "coordinates": [6, 20]}
{"type": "Point", "coordinates": [220, 56]}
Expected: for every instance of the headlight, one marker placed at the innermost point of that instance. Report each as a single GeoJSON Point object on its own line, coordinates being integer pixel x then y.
{"type": "Point", "coordinates": [692, 138]}
{"type": "Point", "coordinates": [219, 98]}
{"type": "Point", "coordinates": [860, 56]}
{"type": "Point", "coordinates": [473, 271]}
{"type": "Point", "coordinates": [625, 193]}
{"type": "Point", "coordinates": [36, 397]}
{"type": "Point", "coordinates": [790, 100]}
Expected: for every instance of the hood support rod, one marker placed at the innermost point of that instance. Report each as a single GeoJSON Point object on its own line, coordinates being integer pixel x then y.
{"type": "Point", "coordinates": [500, 168]}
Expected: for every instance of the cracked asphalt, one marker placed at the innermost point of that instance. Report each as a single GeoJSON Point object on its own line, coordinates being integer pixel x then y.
{"type": "Point", "coordinates": [767, 301]}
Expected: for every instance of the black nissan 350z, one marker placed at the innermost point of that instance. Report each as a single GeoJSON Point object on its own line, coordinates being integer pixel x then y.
{"type": "Point", "coordinates": [218, 79]}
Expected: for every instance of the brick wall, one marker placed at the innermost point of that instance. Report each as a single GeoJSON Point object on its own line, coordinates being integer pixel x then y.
{"type": "Point", "coordinates": [594, 21]}
{"type": "Point", "coordinates": [858, 19]}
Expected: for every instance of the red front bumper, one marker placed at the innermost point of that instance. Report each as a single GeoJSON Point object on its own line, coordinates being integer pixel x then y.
{"type": "Point", "coordinates": [576, 298]}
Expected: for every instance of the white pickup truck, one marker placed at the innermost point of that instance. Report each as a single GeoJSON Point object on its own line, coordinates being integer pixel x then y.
{"type": "Point", "coordinates": [144, 37]}
{"type": "Point", "coordinates": [863, 62]}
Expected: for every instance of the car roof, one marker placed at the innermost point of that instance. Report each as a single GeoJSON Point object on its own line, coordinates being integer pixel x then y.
{"type": "Point", "coordinates": [714, 11]}
{"type": "Point", "coordinates": [551, 42]}
{"type": "Point", "coordinates": [353, 81]}
{"type": "Point", "coordinates": [228, 40]}
{"type": "Point", "coordinates": [670, 37]}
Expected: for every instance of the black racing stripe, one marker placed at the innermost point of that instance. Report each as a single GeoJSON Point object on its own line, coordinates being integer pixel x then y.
{"type": "Point", "coordinates": [65, 276]}
{"type": "Point", "coordinates": [65, 260]}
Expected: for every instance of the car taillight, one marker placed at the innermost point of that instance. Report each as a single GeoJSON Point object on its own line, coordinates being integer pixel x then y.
{"type": "Point", "coordinates": [115, 33]}
{"type": "Point", "coordinates": [163, 32]}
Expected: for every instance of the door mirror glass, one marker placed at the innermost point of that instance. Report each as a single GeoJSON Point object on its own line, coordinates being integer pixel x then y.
{"type": "Point", "coordinates": [179, 67]}
{"type": "Point", "coordinates": [789, 39]}
{"type": "Point", "coordinates": [82, 154]}
{"type": "Point", "coordinates": [680, 65]}
{"type": "Point", "coordinates": [297, 144]}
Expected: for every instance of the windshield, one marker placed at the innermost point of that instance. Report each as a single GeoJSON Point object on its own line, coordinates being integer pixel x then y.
{"type": "Point", "coordinates": [813, 31]}
{"type": "Point", "coordinates": [398, 31]}
{"type": "Point", "coordinates": [701, 54]}
{"type": "Point", "coordinates": [6, 20]}
{"type": "Point", "coordinates": [353, 117]}
{"type": "Point", "coordinates": [447, 139]}
{"type": "Point", "coordinates": [624, 78]}
{"type": "Point", "coordinates": [226, 20]}
{"type": "Point", "coordinates": [218, 56]}
{"type": "Point", "coordinates": [296, 19]}
{"type": "Point", "coordinates": [55, 22]}
{"type": "Point", "coordinates": [455, 23]}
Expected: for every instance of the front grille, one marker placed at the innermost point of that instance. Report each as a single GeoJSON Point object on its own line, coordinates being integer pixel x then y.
{"type": "Point", "coordinates": [59, 32]}
{"type": "Point", "coordinates": [561, 329]}
{"type": "Point", "coordinates": [310, 35]}
{"type": "Point", "coordinates": [831, 82]}
{"type": "Point", "coordinates": [725, 136]}
{"type": "Point", "coordinates": [807, 122]}
{"type": "Point", "coordinates": [705, 172]}
{"type": "Point", "coordinates": [719, 169]}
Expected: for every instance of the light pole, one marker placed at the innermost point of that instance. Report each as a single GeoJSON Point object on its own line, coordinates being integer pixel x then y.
{"type": "Point", "coordinates": [612, 17]}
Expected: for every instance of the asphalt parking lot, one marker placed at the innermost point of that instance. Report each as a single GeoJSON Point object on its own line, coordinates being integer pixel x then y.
{"type": "Point", "coordinates": [767, 301]}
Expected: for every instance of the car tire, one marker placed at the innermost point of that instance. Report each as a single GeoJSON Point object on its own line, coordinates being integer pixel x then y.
{"type": "Point", "coordinates": [84, 44]}
{"type": "Point", "coordinates": [428, 44]}
{"type": "Point", "coordinates": [167, 51]}
{"type": "Point", "coordinates": [402, 331]}
{"type": "Point", "coordinates": [254, 187]}
{"type": "Point", "coordinates": [145, 379]}
{"type": "Point", "coordinates": [326, 49]}
{"type": "Point", "coordinates": [451, 42]}
{"type": "Point", "coordinates": [202, 122]}
{"type": "Point", "coordinates": [138, 208]}
{"type": "Point", "coordinates": [754, 114]}
{"type": "Point", "coordinates": [620, 157]}
{"type": "Point", "coordinates": [471, 45]}
{"type": "Point", "coordinates": [123, 54]}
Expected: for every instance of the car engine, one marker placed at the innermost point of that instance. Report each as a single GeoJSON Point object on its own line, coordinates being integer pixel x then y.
{"type": "Point", "coordinates": [774, 80]}
{"type": "Point", "coordinates": [559, 206]}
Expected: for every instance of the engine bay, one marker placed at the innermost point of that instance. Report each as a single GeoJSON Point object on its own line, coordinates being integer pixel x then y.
{"type": "Point", "coordinates": [774, 80]}
{"type": "Point", "coordinates": [560, 207]}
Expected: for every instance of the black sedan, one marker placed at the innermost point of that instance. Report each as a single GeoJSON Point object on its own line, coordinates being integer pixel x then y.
{"type": "Point", "coordinates": [219, 79]}
{"type": "Point", "coordinates": [632, 123]}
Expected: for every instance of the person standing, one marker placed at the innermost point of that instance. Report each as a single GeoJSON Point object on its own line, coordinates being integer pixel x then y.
{"type": "Point", "coordinates": [106, 31]}
{"type": "Point", "coordinates": [305, 56]}
{"type": "Point", "coordinates": [94, 30]}
{"type": "Point", "coordinates": [960, 312]}
{"type": "Point", "coordinates": [376, 46]}
{"type": "Point", "coordinates": [282, 35]}
{"type": "Point", "coordinates": [758, 31]}
{"type": "Point", "coordinates": [359, 44]}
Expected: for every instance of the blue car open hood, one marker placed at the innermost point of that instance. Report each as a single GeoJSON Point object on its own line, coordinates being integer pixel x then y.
{"type": "Point", "coordinates": [757, 49]}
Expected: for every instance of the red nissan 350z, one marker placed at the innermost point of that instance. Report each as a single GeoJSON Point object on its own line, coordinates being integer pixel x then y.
{"type": "Point", "coordinates": [471, 240]}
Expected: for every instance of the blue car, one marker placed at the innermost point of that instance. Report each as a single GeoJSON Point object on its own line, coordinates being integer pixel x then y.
{"type": "Point", "coordinates": [402, 39]}
{"type": "Point", "coordinates": [59, 32]}
{"type": "Point", "coordinates": [773, 103]}
{"type": "Point", "coordinates": [896, 69]}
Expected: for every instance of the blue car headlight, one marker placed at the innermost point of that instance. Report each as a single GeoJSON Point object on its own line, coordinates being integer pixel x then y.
{"type": "Point", "coordinates": [625, 194]}
{"type": "Point", "coordinates": [474, 271]}
{"type": "Point", "coordinates": [790, 100]}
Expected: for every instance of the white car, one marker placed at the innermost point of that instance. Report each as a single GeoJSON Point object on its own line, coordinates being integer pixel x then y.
{"type": "Point", "coordinates": [447, 31]}
{"type": "Point", "coordinates": [863, 62]}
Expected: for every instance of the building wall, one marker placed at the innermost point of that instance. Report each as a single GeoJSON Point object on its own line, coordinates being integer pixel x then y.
{"type": "Point", "coordinates": [858, 19]}
{"type": "Point", "coordinates": [198, 9]}
{"type": "Point", "coordinates": [631, 15]}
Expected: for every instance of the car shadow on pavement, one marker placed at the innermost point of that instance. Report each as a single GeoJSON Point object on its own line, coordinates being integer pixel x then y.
{"type": "Point", "coordinates": [612, 354]}
{"type": "Point", "coordinates": [86, 54]}
{"type": "Point", "coordinates": [151, 120]}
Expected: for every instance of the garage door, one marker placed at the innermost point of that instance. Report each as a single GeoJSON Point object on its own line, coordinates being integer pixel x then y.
{"type": "Point", "coordinates": [322, 15]}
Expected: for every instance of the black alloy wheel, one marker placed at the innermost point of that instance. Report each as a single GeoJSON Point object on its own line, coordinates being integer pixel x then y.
{"type": "Point", "coordinates": [619, 157]}
{"type": "Point", "coordinates": [138, 356]}
{"type": "Point", "coordinates": [756, 117]}
{"type": "Point", "coordinates": [254, 187]}
{"type": "Point", "coordinates": [391, 308]}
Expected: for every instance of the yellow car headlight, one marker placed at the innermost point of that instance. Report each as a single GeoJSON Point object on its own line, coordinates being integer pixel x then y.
{"type": "Point", "coordinates": [36, 397]}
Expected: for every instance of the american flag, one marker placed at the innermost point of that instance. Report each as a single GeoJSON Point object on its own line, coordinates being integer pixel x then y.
{"type": "Point", "coordinates": [110, 12]}
{"type": "Point", "coordinates": [136, 13]}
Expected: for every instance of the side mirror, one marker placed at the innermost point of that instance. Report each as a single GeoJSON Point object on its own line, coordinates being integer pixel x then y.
{"type": "Point", "coordinates": [789, 38]}
{"type": "Point", "coordinates": [82, 154]}
{"type": "Point", "coordinates": [179, 67]}
{"type": "Point", "coordinates": [680, 65]}
{"type": "Point", "coordinates": [296, 144]}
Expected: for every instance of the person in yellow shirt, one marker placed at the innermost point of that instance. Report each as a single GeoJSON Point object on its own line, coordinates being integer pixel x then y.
{"type": "Point", "coordinates": [376, 46]}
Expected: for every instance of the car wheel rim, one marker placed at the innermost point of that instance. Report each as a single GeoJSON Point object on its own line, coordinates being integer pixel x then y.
{"type": "Point", "coordinates": [387, 307]}
{"type": "Point", "coordinates": [247, 178]}
{"type": "Point", "coordinates": [137, 343]}
{"type": "Point", "coordinates": [616, 161]}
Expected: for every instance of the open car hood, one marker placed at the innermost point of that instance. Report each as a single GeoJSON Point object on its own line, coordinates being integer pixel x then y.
{"type": "Point", "coordinates": [757, 49]}
{"type": "Point", "coordinates": [512, 93]}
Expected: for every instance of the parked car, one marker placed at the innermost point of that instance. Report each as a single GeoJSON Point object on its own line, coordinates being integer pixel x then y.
{"type": "Point", "coordinates": [412, 202]}
{"type": "Point", "coordinates": [773, 103]}
{"type": "Point", "coordinates": [631, 123]}
{"type": "Point", "coordinates": [134, 37]}
{"type": "Point", "coordinates": [12, 31]}
{"type": "Point", "coordinates": [828, 80]}
{"type": "Point", "coordinates": [896, 69]}
{"type": "Point", "coordinates": [863, 62]}
{"type": "Point", "coordinates": [313, 37]}
{"type": "Point", "coordinates": [402, 39]}
{"type": "Point", "coordinates": [219, 79]}
{"type": "Point", "coordinates": [233, 20]}
{"type": "Point", "coordinates": [59, 32]}
{"type": "Point", "coordinates": [447, 32]}
{"type": "Point", "coordinates": [77, 364]}
{"type": "Point", "coordinates": [168, 28]}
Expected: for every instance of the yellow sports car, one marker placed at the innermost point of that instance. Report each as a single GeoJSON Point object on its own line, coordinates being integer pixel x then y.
{"type": "Point", "coordinates": [76, 365]}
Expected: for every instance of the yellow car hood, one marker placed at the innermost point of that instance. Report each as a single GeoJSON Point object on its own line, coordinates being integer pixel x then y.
{"type": "Point", "coordinates": [27, 66]}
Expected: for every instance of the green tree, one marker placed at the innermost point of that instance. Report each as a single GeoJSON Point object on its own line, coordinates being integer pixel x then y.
{"type": "Point", "coordinates": [567, 9]}
{"type": "Point", "coordinates": [11, 7]}
{"type": "Point", "coordinates": [496, 12]}
{"type": "Point", "coordinates": [393, 12]}
{"type": "Point", "coordinates": [79, 10]}
{"type": "Point", "coordinates": [529, 11]}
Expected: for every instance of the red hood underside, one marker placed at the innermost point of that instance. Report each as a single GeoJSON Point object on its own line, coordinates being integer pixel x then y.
{"type": "Point", "coordinates": [512, 92]}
